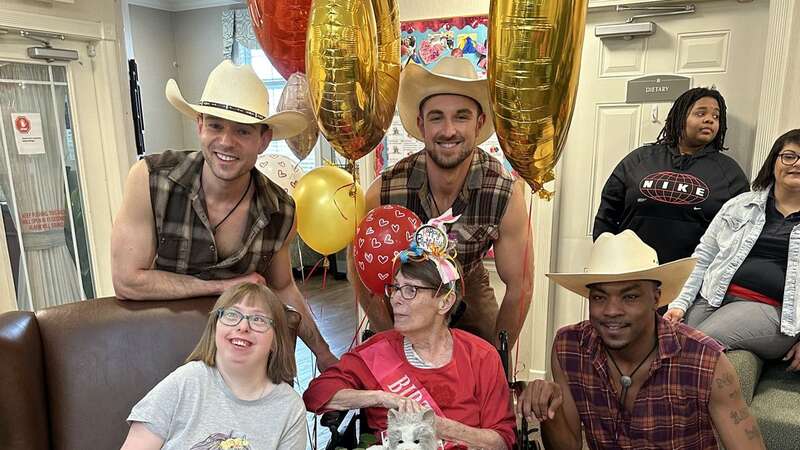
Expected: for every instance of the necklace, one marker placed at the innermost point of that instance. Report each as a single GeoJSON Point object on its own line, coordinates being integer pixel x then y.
{"type": "Point", "coordinates": [249, 183]}
{"type": "Point", "coordinates": [626, 380]}
{"type": "Point", "coordinates": [438, 211]}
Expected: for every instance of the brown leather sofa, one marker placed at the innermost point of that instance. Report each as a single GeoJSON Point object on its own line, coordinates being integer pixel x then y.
{"type": "Point", "coordinates": [70, 375]}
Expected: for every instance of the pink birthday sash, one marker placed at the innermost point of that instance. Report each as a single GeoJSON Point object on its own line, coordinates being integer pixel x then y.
{"type": "Point", "coordinates": [387, 367]}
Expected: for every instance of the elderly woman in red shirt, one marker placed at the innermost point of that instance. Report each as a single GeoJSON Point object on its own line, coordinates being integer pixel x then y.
{"type": "Point", "coordinates": [422, 362]}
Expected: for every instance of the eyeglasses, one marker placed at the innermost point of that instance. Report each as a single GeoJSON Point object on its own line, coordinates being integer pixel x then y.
{"type": "Point", "coordinates": [789, 158]}
{"type": "Point", "coordinates": [257, 322]}
{"type": "Point", "coordinates": [407, 291]}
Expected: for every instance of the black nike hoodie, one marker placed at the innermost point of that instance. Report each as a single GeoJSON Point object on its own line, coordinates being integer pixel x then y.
{"type": "Point", "coordinates": [667, 198]}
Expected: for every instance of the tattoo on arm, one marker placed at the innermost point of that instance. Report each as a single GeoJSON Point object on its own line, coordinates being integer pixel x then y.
{"type": "Point", "coordinates": [740, 415]}
{"type": "Point", "coordinates": [725, 380]}
{"type": "Point", "coordinates": [753, 434]}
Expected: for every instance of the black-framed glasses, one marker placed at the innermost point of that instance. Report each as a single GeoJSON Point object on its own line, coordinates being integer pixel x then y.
{"type": "Point", "coordinates": [407, 291]}
{"type": "Point", "coordinates": [258, 322]}
{"type": "Point", "coordinates": [789, 158]}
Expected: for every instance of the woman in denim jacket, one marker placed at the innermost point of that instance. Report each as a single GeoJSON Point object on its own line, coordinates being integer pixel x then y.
{"type": "Point", "coordinates": [744, 290]}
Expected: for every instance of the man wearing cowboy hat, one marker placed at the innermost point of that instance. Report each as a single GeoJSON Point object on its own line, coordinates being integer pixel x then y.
{"type": "Point", "coordinates": [196, 223]}
{"type": "Point", "coordinates": [447, 108]}
{"type": "Point", "coordinates": [629, 378]}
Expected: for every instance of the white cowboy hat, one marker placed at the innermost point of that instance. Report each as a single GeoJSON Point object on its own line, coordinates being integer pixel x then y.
{"type": "Point", "coordinates": [236, 93]}
{"type": "Point", "coordinates": [624, 257]}
{"type": "Point", "coordinates": [451, 75]}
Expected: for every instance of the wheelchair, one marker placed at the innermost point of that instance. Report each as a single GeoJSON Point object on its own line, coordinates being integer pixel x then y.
{"type": "Point", "coordinates": [349, 429]}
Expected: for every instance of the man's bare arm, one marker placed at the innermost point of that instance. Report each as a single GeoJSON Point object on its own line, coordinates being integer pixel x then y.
{"type": "Point", "coordinates": [133, 250]}
{"type": "Point", "coordinates": [737, 428]}
{"type": "Point", "coordinates": [373, 305]}
{"type": "Point", "coordinates": [509, 251]}
{"type": "Point", "coordinates": [561, 424]}
{"type": "Point", "coordinates": [280, 280]}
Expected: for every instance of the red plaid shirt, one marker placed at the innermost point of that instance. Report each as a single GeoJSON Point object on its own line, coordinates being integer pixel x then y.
{"type": "Point", "coordinates": [670, 410]}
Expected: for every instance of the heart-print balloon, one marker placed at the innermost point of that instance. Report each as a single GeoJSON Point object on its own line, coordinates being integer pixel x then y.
{"type": "Point", "coordinates": [280, 170]}
{"type": "Point", "coordinates": [384, 233]}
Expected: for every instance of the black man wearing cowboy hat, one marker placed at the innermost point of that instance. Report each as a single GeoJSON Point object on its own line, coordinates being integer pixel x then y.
{"type": "Point", "coordinates": [447, 109]}
{"type": "Point", "coordinates": [628, 378]}
{"type": "Point", "coordinates": [195, 223]}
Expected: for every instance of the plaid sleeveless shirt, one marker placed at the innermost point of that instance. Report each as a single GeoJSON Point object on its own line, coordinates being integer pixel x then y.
{"type": "Point", "coordinates": [185, 238]}
{"type": "Point", "coordinates": [671, 409]}
{"type": "Point", "coordinates": [482, 201]}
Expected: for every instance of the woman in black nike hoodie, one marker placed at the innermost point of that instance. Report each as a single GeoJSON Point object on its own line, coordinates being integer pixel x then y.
{"type": "Point", "coordinates": [669, 191]}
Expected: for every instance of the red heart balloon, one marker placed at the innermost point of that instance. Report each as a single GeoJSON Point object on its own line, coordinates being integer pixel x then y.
{"type": "Point", "coordinates": [280, 26]}
{"type": "Point", "coordinates": [385, 231]}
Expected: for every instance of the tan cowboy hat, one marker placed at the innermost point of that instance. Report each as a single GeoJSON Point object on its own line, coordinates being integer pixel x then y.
{"type": "Point", "coordinates": [236, 93]}
{"type": "Point", "coordinates": [450, 76]}
{"type": "Point", "coordinates": [624, 257]}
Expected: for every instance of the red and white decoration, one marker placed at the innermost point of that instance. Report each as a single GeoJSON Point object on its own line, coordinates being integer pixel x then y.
{"type": "Point", "coordinates": [384, 232]}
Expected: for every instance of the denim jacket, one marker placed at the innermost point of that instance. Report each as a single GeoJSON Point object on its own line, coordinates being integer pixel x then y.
{"type": "Point", "coordinates": [723, 248]}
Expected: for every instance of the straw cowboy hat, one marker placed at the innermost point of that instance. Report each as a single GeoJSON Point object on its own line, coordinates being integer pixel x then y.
{"type": "Point", "coordinates": [450, 76]}
{"type": "Point", "coordinates": [236, 93]}
{"type": "Point", "coordinates": [624, 257]}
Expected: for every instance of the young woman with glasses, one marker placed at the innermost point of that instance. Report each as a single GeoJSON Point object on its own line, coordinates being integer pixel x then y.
{"type": "Point", "coordinates": [745, 289]}
{"type": "Point", "coordinates": [234, 390]}
{"type": "Point", "coordinates": [423, 363]}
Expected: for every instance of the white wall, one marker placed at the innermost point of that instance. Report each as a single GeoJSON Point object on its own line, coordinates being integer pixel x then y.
{"type": "Point", "coordinates": [198, 47]}
{"type": "Point", "coordinates": [184, 45]}
{"type": "Point", "coordinates": [427, 9]}
{"type": "Point", "coordinates": [790, 116]}
{"type": "Point", "coordinates": [93, 10]}
{"type": "Point", "coordinates": [153, 45]}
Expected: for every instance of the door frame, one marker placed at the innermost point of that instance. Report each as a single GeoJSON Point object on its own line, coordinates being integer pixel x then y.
{"type": "Point", "coordinates": [101, 115]}
{"type": "Point", "coordinates": [781, 53]}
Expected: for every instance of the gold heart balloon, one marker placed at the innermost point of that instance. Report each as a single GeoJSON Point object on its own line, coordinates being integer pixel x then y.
{"type": "Point", "coordinates": [353, 70]}
{"type": "Point", "coordinates": [534, 63]}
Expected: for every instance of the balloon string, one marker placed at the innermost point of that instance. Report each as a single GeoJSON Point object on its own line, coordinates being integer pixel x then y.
{"type": "Point", "coordinates": [311, 272]}
{"type": "Point", "coordinates": [325, 265]}
{"type": "Point", "coordinates": [358, 329]}
{"type": "Point", "coordinates": [336, 204]}
{"type": "Point", "coordinates": [525, 267]}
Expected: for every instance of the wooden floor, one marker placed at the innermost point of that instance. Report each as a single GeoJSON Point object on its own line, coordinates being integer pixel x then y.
{"type": "Point", "coordinates": [336, 316]}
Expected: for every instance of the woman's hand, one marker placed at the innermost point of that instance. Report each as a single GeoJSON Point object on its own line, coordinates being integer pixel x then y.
{"type": "Point", "coordinates": [674, 315]}
{"type": "Point", "coordinates": [398, 402]}
{"type": "Point", "coordinates": [794, 355]}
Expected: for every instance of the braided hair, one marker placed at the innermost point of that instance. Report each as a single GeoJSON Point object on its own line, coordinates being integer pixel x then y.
{"type": "Point", "coordinates": [675, 126]}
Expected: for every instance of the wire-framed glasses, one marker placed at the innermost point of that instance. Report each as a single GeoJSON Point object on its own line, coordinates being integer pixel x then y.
{"type": "Point", "coordinates": [258, 322]}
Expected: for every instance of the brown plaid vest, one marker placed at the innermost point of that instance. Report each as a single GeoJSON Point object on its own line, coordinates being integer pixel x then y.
{"type": "Point", "coordinates": [482, 201]}
{"type": "Point", "coordinates": [185, 240]}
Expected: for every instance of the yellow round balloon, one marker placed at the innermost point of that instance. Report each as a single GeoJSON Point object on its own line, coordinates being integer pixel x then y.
{"type": "Point", "coordinates": [534, 62]}
{"type": "Point", "coordinates": [353, 70]}
{"type": "Point", "coordinates": [329, 208]}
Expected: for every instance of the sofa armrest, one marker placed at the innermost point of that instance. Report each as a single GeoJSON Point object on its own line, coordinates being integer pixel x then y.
{"type": "Point", "coordinates": [23, 410]}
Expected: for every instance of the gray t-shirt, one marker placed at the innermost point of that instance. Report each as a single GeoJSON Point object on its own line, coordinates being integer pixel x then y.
{"type": "Point", "coordinates": [193, 408]}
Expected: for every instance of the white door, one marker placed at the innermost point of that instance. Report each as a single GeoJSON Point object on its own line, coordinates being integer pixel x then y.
{"type": "Point", "coordinates": [46, 254]}
{"type": "Point", "coordinates": [720, 45]}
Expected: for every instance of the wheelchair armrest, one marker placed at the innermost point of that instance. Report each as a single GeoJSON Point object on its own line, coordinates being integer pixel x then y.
{"type": "Point", "coordinates": [342, 425]}
{"type": "Point", "coordinates": [337, 419]}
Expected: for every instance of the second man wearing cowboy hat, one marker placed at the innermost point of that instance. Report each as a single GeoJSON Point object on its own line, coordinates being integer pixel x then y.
{"type": "Point", "coordinates": [629, 378]}
{"type": "Point", "coordinates": [447, 108]}
{"type": "Point", "coordinates": [195, 223]}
